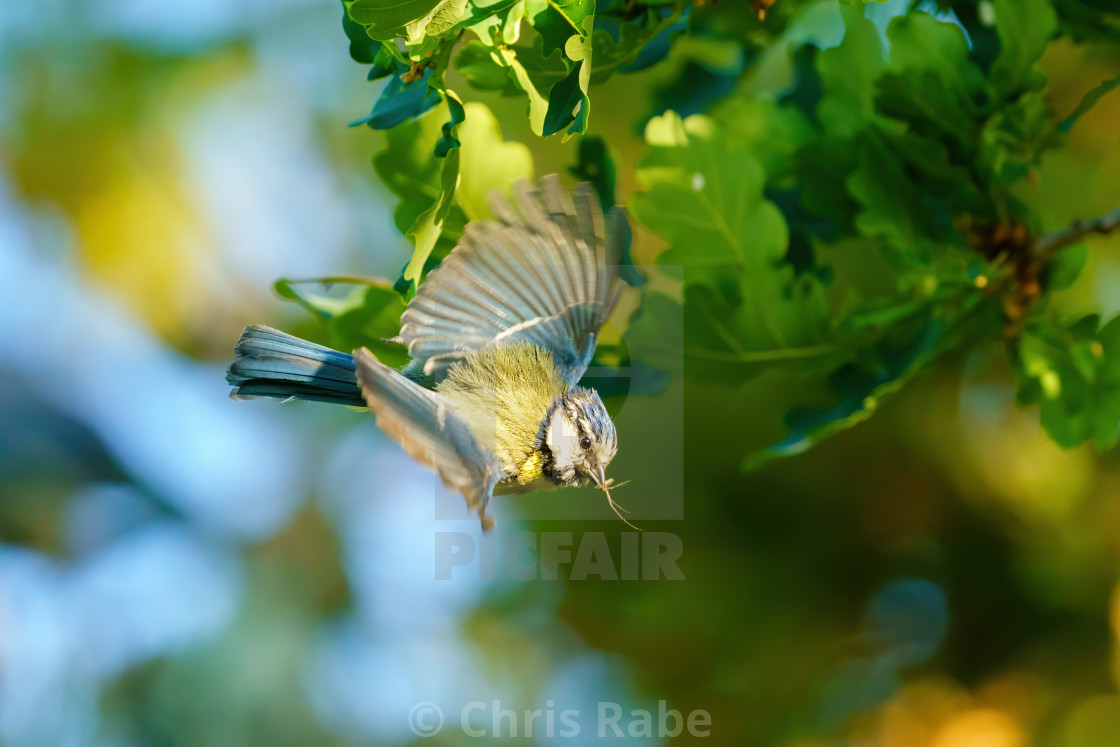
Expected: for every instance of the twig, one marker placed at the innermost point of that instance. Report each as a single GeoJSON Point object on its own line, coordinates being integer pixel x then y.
{"type": "Point", "coordinates": [1054, 242]}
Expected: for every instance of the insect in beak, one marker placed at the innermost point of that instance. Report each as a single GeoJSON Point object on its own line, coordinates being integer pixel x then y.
{"type": "Point", "coordinates": [602, 482]}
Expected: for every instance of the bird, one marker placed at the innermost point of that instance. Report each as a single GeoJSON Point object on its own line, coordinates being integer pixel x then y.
{"type": "Point", "coordinates": [499, 336]}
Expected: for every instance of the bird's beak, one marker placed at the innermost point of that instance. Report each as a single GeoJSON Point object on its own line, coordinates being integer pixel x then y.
{"type": "Point", "coordinates": [599, 476]}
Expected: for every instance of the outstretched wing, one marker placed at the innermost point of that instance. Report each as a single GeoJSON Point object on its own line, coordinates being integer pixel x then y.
{"type": "Point", "coordinates": [429, 431]}
{"type": "Point", "coordinates": [545, 271]}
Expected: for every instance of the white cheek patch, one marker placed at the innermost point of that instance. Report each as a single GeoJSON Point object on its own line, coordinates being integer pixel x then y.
{"type": "Point", "coordinates": [563, 439]}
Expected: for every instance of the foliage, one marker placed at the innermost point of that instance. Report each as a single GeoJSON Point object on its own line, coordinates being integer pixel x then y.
{"type": "Point", "coordinates": [913, 159]}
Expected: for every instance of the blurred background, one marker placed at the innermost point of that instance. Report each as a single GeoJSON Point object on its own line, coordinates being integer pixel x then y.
{"type": "Point", "coordinates": [177, 568]}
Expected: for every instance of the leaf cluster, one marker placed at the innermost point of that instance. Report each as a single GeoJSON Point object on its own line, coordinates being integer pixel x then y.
{"type": "Point", "coordinates": [892, 163]}
{"type": "Point", "coordinates": [848, 229]}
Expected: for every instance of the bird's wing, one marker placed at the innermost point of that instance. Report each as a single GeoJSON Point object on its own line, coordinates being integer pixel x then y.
{"type": "Point", "coordinates": [429, 431]}
{"type": "Point", "coordinates": [544, 271]}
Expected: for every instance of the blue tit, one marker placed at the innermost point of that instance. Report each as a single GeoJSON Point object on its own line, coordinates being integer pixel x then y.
{"type": "Point", "coordinates": [499, 335]}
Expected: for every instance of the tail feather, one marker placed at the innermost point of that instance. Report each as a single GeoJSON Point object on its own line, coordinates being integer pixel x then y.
{"type": "Point", "coordinates": [271, 363]}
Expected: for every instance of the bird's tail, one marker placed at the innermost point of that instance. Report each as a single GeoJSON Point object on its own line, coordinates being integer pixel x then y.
{"type": "Point", "coordinates": [271, 363]}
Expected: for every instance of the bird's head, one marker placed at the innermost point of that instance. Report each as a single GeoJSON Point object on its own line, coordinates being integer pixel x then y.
{"type": "Point", "coordinates": [581, 438]}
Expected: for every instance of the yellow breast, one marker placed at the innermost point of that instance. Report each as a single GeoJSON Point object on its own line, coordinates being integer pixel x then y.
{"type": "Point", "coordinates": [529, 477]}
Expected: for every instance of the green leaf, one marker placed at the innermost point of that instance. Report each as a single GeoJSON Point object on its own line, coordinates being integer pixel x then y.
{"type": "Point", "coordinates": [705, 197]}
{"type": "Point", "coordinates": [580, 51]}
{"type": "Point", "coordinates": [918, 40]}
{"type": "Point", "coordinates": [385, 19]}
{"type": "Point", "coordinates": [848, 74]}
{"type": "Point", "coordinates": [635, 45]}
{"type": "Point", "coordinates": [934, 77]}
{"type": "Point", "coordinates": [538, 104]}
{"type": "Point", "coordinates": [891, 204]}
{"type": "Point", "coordinates": [773, 133]}
{"type": "Point", "coordinates": [822, 169]}
{"type": "Point", "coordinates": [595, 165]}
{"type": "Point", "coordinates": [556, 20]}
{"type": "Point", "coordinates": [857, 389]}
{"type": "Point", "coordinates": [725, 340]}
{"type": "Point", "coordinates": [438, 195]}
{"type": "Point", "coordinates": [426, 231]}
{"type": "Point", "coordinates": [407, 166]}
{"type": "Point", "coordinates": [1016, 136]}
{"type": "Point", "coordinates": [555, 84]}
{"type": "Point", "coordinates": [363, 48]}
{"type": "Point", "coordinates": [400, 101]}
{"type": "Point", "coordinates": [952, 183]}
{"type": "Point", "coordinates": [928, 105]}
{"type": "Point", "coordinates": [372, 323]}
{"type": "Point", "coordinates": [1073, 374]}
{"type": "Point", "coordinates": [425, 183]}
{"type": "Point", "coordinates": [441, 19]}
{"type": "Point", "coordinates": [497, 23]}
{"type": "Point", "coordinates": [703, 193]}
{"type": "Point", "coordinates": [487, 162]}
{"type": "Point", "coordinates": [448, 139]}
{"type": "Point", "coordinates": [908, 337]}
{"type": "Point", "coordinates": [657, 319]}
{"type": "Point", "coordinates": [1024, 28]}
{"type": "Point", "coordinates": [563, 99]}
{"type": "Point", "coordinates": [428, 228]}
{"type": "Point", "coordinates": [1066, 267]}
{"type": "Point", "coordinates": [565, 82]}
{"type": "Point", "coordinates": [320, 296]}
{"type": "Point", "coordinates": [482, 67]}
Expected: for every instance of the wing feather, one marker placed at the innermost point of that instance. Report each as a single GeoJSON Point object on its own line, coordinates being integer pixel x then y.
{"type": "Point", "coordinates": [429, 431]}
{"type": "Point", "coordinates": [545, 270]}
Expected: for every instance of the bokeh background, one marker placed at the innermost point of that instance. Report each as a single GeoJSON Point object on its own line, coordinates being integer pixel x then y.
{"type": "Point", "coordinates": [177, 568]}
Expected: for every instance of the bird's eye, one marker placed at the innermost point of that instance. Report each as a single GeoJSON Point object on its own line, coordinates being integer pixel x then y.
{"type": "Point", "coordinates": [585, 443]}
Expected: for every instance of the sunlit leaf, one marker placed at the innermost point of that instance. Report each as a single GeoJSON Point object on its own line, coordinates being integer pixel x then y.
{"type": "Point", "coordinates": [703, 193]}
{"type": "Point", "coordinates": [487, 161]}
{"type": "Point", "coordinates": [482, 67]}
{"type": "Point", "coordinates": [385, 19]}
{"type": "Point", "coordinates": [408, 166]}
{"type": "Point", "coordinates": [442, 18]}
{"type": "Point", "coordinates": [538, 103]}
{"type": "Point", "coordinates": [425, 232]}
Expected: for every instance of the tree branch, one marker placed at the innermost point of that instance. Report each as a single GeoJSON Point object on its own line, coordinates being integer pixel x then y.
{"type": "Point", "coordinates": [1054, 242]}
